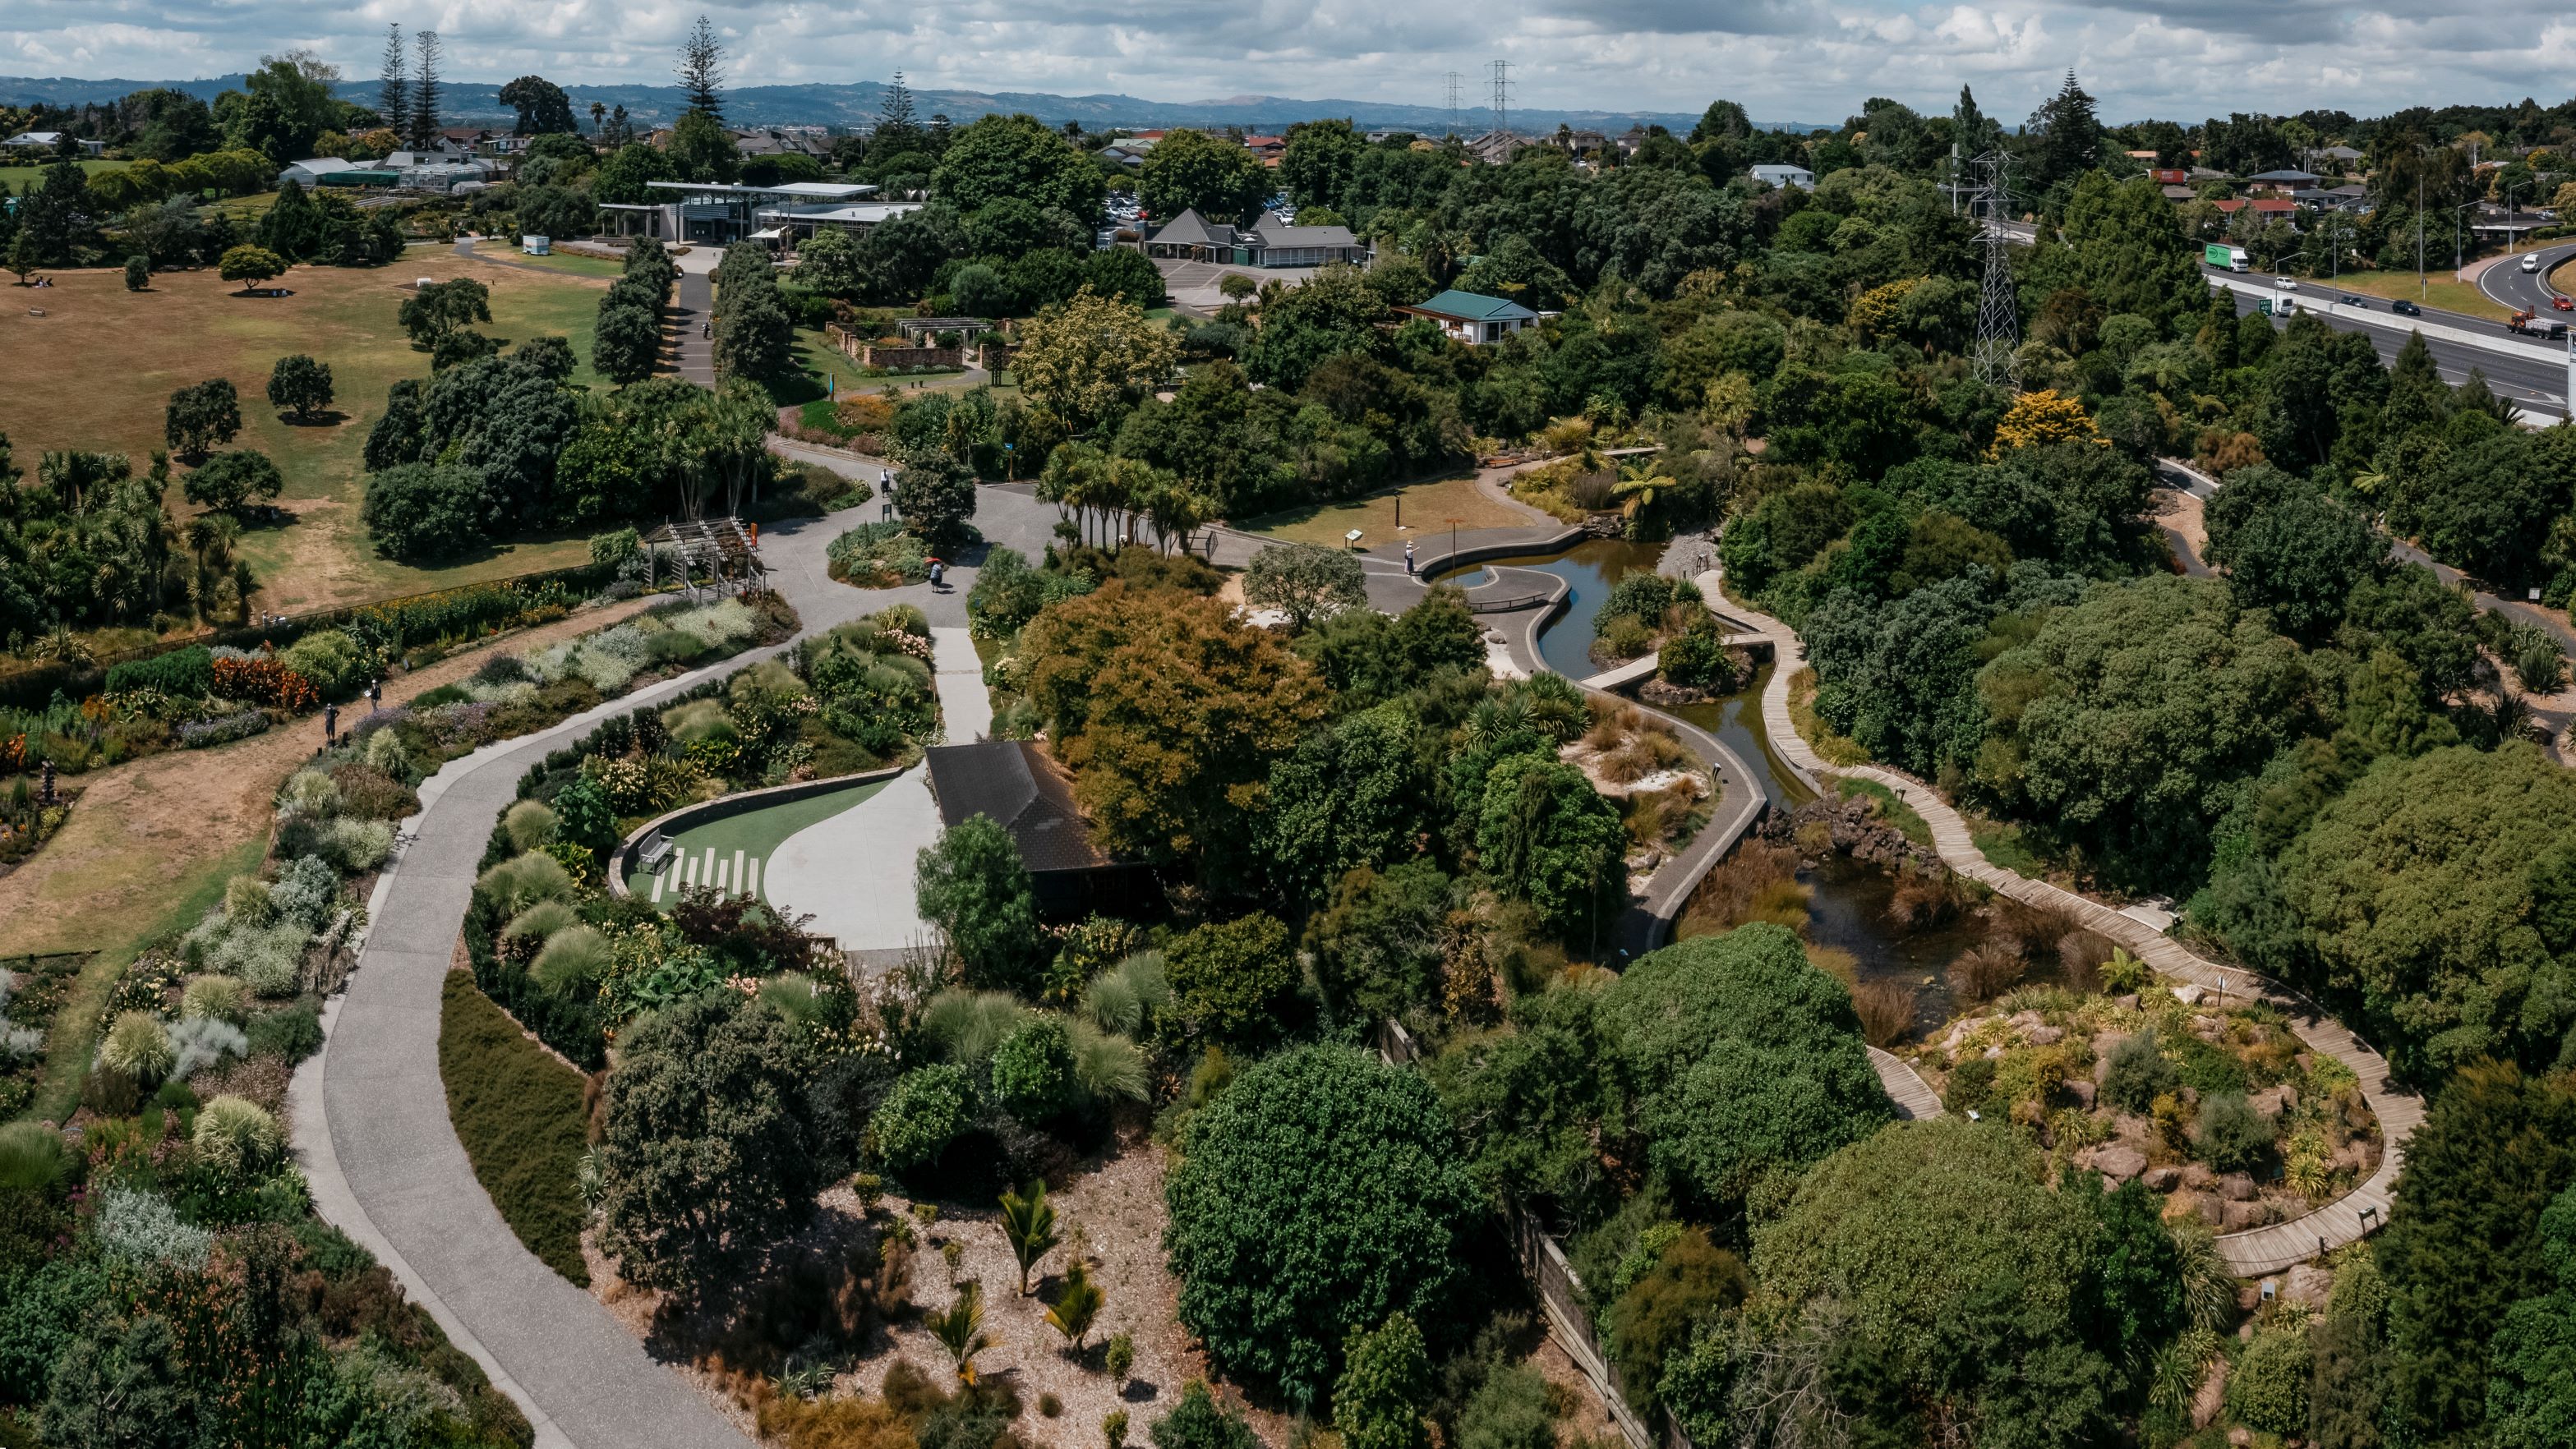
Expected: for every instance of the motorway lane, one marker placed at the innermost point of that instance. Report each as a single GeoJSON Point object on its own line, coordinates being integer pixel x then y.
{"type": "Point", "coordinates": [2505, 282]}
{"type": "Point", "coordinates": [2532, 375]}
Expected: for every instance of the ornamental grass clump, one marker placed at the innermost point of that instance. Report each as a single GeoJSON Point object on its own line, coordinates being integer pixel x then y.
{"type": "Point", "coordinates": [223, 998]}
{"type": "Point", "coordinates": [522, 881]}
{"type": "Point", "coordinates": [138, 1046]}
{"type": "Point", "coordinates": [237, 1138]}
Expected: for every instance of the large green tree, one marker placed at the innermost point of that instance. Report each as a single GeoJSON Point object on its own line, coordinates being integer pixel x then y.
{"type": "Point", "coordinates": [974, 887]}
{"type": "Point", "coordinates": [1215, 176]}
{"type": "Point", "coordinates": [1319, 161]}
{"type": "Point", "coordinates": [1319, 1193]}
{"type": "Point", "coordinates": [2289, 548]}
{"type": "Point", "coordinates": [1545, 836]}
{"type": "Point", "coordinates": [2531, 1399]}
{"type": "Point", "coordinates": [709, 1155]}
{"type": "Point", "coordinates": [997, 158]}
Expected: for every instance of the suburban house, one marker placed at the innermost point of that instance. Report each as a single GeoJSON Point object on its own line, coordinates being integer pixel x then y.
{"type": "Point", "coordinates": [2284, 183]}
{"type": "Point", "coordinates": [1015, 785]}
{"type": "Point", "coordinates": [1268, 242]}
{"type": "Point", "coordinates": [720, 212]}
{"type": "Point", "coordinates": [1268, 148]}
{"type": "Point", "coordinates": [1129, 154]}
{"type": "Point", "coordinates": [1495, 148]}
{"type": "Point", "coordinates": [1785, 176]}
{"type": "Point", "coordinates": [1472, 317]}
{"type": "Point", "coordinates": [2338, 157]}
{"type": "Point", "coordinates": [50, 141]}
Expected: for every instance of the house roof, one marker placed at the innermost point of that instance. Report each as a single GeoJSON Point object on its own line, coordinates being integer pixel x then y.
{"type": "Point", "coordinates": [2285, 176]}
{"type": "Point", "coordinates": [2272, 206]}
{"type": "Point", "coordinates": [1191, 229]}
{"type": "Point", "coordinates": [1022, 791]}
{"type": "Point", "coordinates": [321, 165]}
{"type": "Point", "coordinates": [1473, 307]}
{"type": "Point", "coordinates": [36, 138]}
{"type": "Point", "coordinates": [1274, 231]}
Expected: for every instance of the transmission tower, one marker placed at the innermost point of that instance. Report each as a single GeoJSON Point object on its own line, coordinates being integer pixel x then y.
{"type": "Point", "coordinates": [1454, 79]}
{"type": "Point", "coordinates": [1502, 97]}
{"type": "Point", "coordinates": [1998, 310]}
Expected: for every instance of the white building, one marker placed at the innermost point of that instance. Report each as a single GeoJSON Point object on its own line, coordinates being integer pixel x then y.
{"type": "Point", "coordinates": [48, 141]}
{"type": "Point", "coordinates": [309, 172]}
{"type": "Point", "coordinates": [718, 212]}
{"type": "Point", "coordinates": [1797, 176]}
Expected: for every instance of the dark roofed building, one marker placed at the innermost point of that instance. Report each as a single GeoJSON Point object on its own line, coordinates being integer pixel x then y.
{"type": "Point", "coordinates": [1269, 242]}
{"type": "Point", "coordinates": [1028, 794]}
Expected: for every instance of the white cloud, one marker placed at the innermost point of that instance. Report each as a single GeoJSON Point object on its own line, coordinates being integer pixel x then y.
{"type": "Point", "coordinates": [1785, 59]}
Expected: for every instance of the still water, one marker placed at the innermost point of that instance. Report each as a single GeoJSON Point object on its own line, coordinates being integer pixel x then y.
{"type": "Point", "coordinates": [1591, 568]}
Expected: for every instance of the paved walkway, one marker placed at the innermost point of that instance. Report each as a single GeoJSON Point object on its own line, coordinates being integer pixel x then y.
{"type": "Point", "coordinates": [690, 319]}
{"type": "Point", "coordinates": [2250, 1253]}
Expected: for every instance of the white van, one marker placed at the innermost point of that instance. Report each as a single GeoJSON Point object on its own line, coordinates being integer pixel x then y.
{"type": "Point", "coordinates": [2530, 262]}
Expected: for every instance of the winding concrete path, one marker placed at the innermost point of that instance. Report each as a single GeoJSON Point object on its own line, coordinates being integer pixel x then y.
{"type": "Point", "coordinates": [370, 1112]}
{"type": "Point", "coordinates": [2249, 1253]}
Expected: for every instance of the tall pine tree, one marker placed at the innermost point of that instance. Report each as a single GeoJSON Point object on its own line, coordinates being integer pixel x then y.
{"type": "Point", "coordinates": [2069, 136]}
{"type": "Point", "coordinates": [423, 128]}
{"type": "Point", "coordinates": [897, 126]}
{"type": "Point", "coordinates": [701, 75]}
{"type": "Point", "coordinates": [393, 97]}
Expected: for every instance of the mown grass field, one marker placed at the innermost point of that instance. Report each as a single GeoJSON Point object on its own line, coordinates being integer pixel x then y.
{"type": "Point", "coordinates": [2439, 290]}
{"type": "Point", "coordinates": [97, 370]}
{"type": "Point", "coordinates": [1428, 509]}
{"type": "Point", "coordinates": [17, 177]}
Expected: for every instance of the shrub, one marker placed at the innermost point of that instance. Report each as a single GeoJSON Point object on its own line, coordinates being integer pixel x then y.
{"type": "Point", "coordinates": [144, 1229]}
{"type": "Point", "coordinates": [1386, 1377]}
{"type": "Point", "coordinates": [537, 924]}
{"type": "Point", "coordinates": [289, 1035]}
{"type": "Point", "coordinates": [421, 512]}
{"type": "Point", "coordinates": [356, 845]}
{"type": "Point", "coordinates": [574, 958]}
{"type": "Point", "coordinates": [928, 1107]}
{"type": "Point", "coordinates": [222, 997]}
{"type": "Point", "coordinates": [1235, 979]}
{"type": "Point", "coordinates": [1317, 1194]}
{"type": "Point", "coordinates": [337, 664]}
{"type": "Point", "coordinates": [1508, 1411]}
{"type": "Point", "coordinates": [1032, 1071]}
{"type": "Point", "coordinates": [2139, 1074]}
{"type": "Point", "coordinates": [2232, 1136]}
{"type": "Point", "coordinates": [32, 1157]}
{"type": "Point", "coordinates": [265, 681]}
{"type": "Point", "coordinates": [974, 888]}
{"type": "Point", "coordinates": [139, 1047]}
{"type": "Point", "coordinates": [182, 673]}
{"type": "Point", "coordinates": [1197, 1422]}
{"type": "Point", "coordinates": [530, 826]}
{"type": "Point", "coordinates": [522, 881]}
{"type": "Point", "coordinates": [518, 1112]}
{"type": "Point", "coordinates": [237, 1138]}
{"type": "Point", "coordinates": [198, 734]}
{"type": "Point", "coordinates": [2268, 1389]}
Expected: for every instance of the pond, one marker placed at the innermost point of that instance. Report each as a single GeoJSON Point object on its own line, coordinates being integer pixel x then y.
{"type": "Point", "coordinates": [1591, 567]}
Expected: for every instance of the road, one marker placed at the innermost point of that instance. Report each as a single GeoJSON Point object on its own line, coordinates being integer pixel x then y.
{"type": "Point", "coordinates": [2505, 281]}
{"type": "Point", "coordinates": [2531, 374]}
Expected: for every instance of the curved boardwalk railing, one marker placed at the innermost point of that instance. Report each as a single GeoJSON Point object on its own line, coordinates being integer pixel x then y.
{"type": "Point", "coordinates": [2255, 1250]}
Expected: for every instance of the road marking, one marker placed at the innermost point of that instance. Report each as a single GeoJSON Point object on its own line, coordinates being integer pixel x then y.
{"type": "Point", "coordinates": [740, 888]}
{"type": "Point", "coordinates": [752, 888]}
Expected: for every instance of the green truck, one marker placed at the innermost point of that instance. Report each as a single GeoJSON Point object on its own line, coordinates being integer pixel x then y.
{"type": "Point", "coordinates": [2224, 257]}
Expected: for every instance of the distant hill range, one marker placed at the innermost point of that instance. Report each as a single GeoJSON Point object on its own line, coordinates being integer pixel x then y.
{"type": "Point", "coordinates": [856, 106]}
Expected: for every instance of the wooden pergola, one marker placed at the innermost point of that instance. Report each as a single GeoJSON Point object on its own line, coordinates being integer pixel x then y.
{"type": "Point", "coordinates": [714, 555]}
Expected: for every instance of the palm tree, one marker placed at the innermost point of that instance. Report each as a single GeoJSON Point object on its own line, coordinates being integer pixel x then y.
{"type": "Point", "coordinates": [960, 1330]}
{"type": "Point", "coordinates": [1077, 1305]}
{"type": "Point", "coordinates": [1028, 1220]}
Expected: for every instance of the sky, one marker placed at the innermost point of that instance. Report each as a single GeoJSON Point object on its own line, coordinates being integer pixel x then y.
{"type": "Point", "coordinates": [1785, 60]}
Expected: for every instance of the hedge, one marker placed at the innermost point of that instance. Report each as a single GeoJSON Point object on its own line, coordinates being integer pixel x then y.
{"type": "Point", "coordinates": [182, 673]}
{"type": "Point", "coordinates": [518, 1113]}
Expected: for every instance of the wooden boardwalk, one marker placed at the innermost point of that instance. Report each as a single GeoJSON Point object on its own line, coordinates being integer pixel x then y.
{"type": "Point", "coordinates": [1912, 1095]}
{"type": "Point", "coordinates": [2252, 1252]}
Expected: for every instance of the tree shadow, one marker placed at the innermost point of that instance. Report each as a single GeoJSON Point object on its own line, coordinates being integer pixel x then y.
{"type": "Point", "coordinates": [327, 418]}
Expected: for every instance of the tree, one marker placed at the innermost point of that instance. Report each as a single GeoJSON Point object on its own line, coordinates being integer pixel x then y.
{"type": "Point", "coordinates": [701, 70]}
{"type": "Point", "coordinates": [544, 110]}
{"type": "Point", "coordinates": [829, 262]}
{"type": "Point", "coordinates": [1741, 1059]}
{"type": "Point", "coordinates": [1235, 979]}
{"type": "Point", "coordinates": [1956, 1272]}
{"type": "Point", "coordinates": [1170, 713]}
{"type": "Point", "coordinates": [226, 481]}
{"type": "Point", "coordinates": [960, 1329]}
{"type": "Point", "coordinates": [1028, 1225]}
{"type": "Point", "coordinates": [1319, 162]}
{"type": "Point", "coordinates": [1319, 1193]}
{"type": "Point", "coordinates": [2531, 1399]}
{"type": "Point", "coordinates": [2289, 548]}
{"type": "Point", "coordinates": [433, 311]}
{"type": "Point", "coordinates": [936, 495]}
{"type": "Point", "coordinates": [1077, 1305]}
{"type": "Point", "coordinates": [420, 127]}
{"type": "Point", "coordinates": [1547, 837]}
{"type": "Point", "coordinates": [627, 343]}
{"type": "Point", "coordinates": [709, 1154]}
{"type": "Point", "coordinates": [1385, 1384]}
{"type": "Point", "coordinates": [622, 178]}
{"type": "Point", "coordinates": [393, 85]}
{"type": "Point", "coordinates": [926, 1110]}
{"type": "Point", "coordinates": [550, 356]}
{"type": "Point", "coordinates": [200, 417]}
{"type": "Point", "coordinates": [300, 385]}
{"type": "Point", "coordinates": [1125, 274]}
{"type": "Point", "coordinates": [250, 266]}
{"type": "Point", "coordinates": [2465, 1244]}
{"type": "Point", "coordinates": [2069, 137]}
{"type": "Point", "coordinates": [1191, 170]}
{"type": "Point", "coordinates": [1377, 945]}
{"type": "Point", "coordinates": [1196, 1422]}
{"type": "Point", "coordinates": [1016, 158]}
{"type": "Point", "coordinates": [755, 338]}
{"type": "Point", "coordinates": [1334, 314]}
{"type": "Point", "coordinates": [702, 149]}
{"type": "Point", "coordinates": [424, 512]}
{"type": "Point", "coordinates": [1091, 357]}
{"type": "Point", "coordinates": [1304, 580]}
{"type": "Point", "coordinates": [1032, 1073]}
{"type": "Point", "coordinates": [2438, 890]}
{"type": "Point", "coordinates": [138, 274]}
{"type": "Point", "coordinates": [1351, 796]}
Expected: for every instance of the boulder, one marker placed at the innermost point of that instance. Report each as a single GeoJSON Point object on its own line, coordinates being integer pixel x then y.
{"type": "Point", "coordinates": [2025, 1021]}
{"type": "Point", "coordinates": [2273, 1101]}
{"type": "Point", "coordinates": [2189, 993]}
{"type": "Point", "coordinates": [2126, 1002]}
{"type": "Point", "coordinates": [2236, 1217]}
{"type": "Point", "coordinates": [2309, 1283]}
{"type": "Point", "coordinates": [2240, 1436]}
{"type": "Point", "coordinates": [2206, 1404]}
{"type": "Point", "coordinates": [2236, 1187]}
{"type": "Point", "coordinates": [2197, 1175]}
{"type": "Point", "coordinates": [2211, 1210]}
{"type": "Point", "coordinates": [2118, 1162]}
{"type": "Point", "coordinates": [2082, 1091]}
{"type": "Point", "coordinates": [2045, 1035]}
{"type": "Point", "coordinates": [2163, 1179]}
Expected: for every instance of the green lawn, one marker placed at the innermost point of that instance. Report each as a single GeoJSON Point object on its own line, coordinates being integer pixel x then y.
{"type": "Point", "coordinates": [111, 358]}
{"type": "Point", "coordinates": [2439, 290]}
{"type": "Point", "coordinates": [16, 178]}
{"type": "Point", "coordinates": [737, 848]}
{"type": "Point", "coordinates": [1428, 509]}
{"type": "Point", "coordinates": [567, 262]}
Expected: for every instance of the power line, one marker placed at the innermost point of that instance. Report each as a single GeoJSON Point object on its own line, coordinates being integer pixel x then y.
{"type": "Point", "coordinates": [1454, 79]}
{"type": "Point", "coordinates": [1502, 97]}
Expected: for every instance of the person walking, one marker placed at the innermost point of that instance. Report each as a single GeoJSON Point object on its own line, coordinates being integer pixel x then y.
{"type": "Point", "coordinates": [330, 725]}
{"type": "Point", "coordinates": [1408, 558]}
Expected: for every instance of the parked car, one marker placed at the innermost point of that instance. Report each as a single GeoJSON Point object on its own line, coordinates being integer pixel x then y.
{"type": "Point", "coordinates": [2405, 308]}
{"type": "Point", "coordinates": [2286, 284]}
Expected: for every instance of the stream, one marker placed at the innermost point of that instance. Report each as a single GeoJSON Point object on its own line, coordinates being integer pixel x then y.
{"type": "Point", "coordinates": [1847, 907]}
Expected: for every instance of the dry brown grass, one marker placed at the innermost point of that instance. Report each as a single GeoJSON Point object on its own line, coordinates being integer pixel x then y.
{"type": "Point", "coordinates": [1886, 1010]}
{"type": "Point", "coordinates": [1986, 971]}
{"type": "Point", "coordinates": [2081, 954]}
{"type": "Point", "coordinates": [1757, 882]}
{"type": "Point", "coordinates": [1926, 897]}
